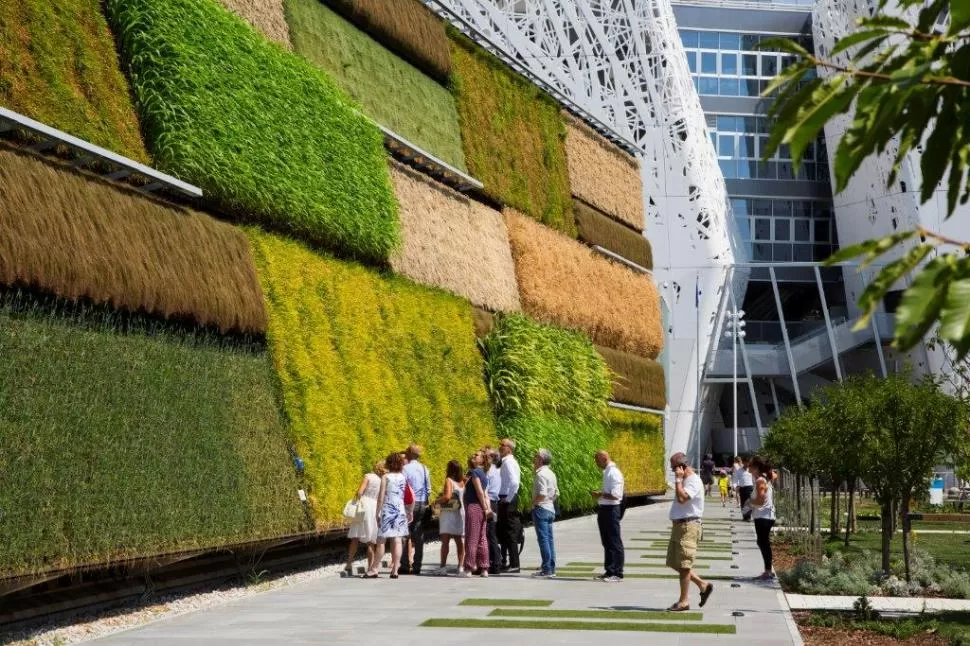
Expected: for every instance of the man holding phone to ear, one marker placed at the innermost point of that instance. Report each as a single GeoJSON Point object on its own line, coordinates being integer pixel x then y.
{"type": "Point", "coordinates": [685, 534]}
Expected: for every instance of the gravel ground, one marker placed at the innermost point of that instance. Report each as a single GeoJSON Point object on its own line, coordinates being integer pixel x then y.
{"type": "Point", "coordinates": [88, 626]}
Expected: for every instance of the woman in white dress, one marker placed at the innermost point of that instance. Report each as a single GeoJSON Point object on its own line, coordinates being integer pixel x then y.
{"type": "Point", "coordinates": [364, 528]}
{"type": "Point", "coordinates": [451, 520]}
{"type": "Point", "coordinates": [391, 516]}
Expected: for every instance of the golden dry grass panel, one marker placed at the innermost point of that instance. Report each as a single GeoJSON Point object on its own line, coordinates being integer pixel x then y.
{"type": "Point", "coordinates": [603, 175]}
{"type": "Point", "coordinates": [266, 16]}
{"type": "Point", "coordinates": [563, 282]}
{"type": "Point", "coordinates": [453, 242]}
{"type": "Point", "coordinates": [80, 237]}
{"type": "Point", "coordinates": [598, 229]}
{"type": "Point", "coordinates": [636, 380]}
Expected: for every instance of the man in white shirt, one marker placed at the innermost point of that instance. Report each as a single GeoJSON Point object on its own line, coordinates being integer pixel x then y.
{"type": "Point", "coordinates": [608, 515]}
{"type": "Point", "coordinates": [545, 490]}
{"type": "Point", "coordinates": [509, 520]}
{"type": "Point", "coordinates": [492, 491]}
{"type": "Point", "coordinates": [418, 477]}
{"type": "Point", "coordinates": [686, 513]}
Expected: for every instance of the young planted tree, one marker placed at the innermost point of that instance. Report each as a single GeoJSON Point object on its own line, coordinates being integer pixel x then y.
{"type": "Point", "coordinates": [793, 442]}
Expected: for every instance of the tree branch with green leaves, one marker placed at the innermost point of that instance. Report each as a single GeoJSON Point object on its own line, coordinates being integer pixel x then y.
{"type": "Point", "coordinates": [907, 87]}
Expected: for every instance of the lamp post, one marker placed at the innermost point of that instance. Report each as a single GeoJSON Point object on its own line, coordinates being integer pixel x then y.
{"type": "Point", "coordinates": [735, 329]}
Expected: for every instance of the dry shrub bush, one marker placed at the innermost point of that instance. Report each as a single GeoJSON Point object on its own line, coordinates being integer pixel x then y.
{"type": "Point", "coordinates": [604, 175]}
{"type": "Point", "coordinates": [76, 236]}
{"type": "Point", "coordinates": [636, 380]}
{"type": "Point", "coordinates": [596, 228]}
{"type": "Point", "coordinates": [265, 15]}
{"type": "Point", "coordinates": [484, 322]}
{"type": "Point", "coordinates": [453, 242]}
{"type": "Point", "coordinates": [407, 28]}
{"type": "Point", "coordinates": [565, 283]}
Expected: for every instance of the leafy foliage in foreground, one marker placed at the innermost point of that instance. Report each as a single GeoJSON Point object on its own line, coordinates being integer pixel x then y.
{"type": "Point", "coordinates": [265, 134]}
{"type": "Point", "coordinates": [513, 137]}
{"type": "Point", "coordinates": [908, 84]}
{"type": "Point", "coordinates": [121, 437]}
{"type": "Point", "coordinates": [58, 65]}
{"type": "Point", "coordinates": [366, 365]}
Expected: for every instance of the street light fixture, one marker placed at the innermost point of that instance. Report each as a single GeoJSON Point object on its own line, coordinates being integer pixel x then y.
{"type": "Point", "coordinates": [735, 329]}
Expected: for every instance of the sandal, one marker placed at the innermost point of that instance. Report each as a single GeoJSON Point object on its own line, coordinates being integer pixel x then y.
{"type": "Point", "coordinates": [678, 608]}
{"type": "Point", "coordinates": [706, 593]}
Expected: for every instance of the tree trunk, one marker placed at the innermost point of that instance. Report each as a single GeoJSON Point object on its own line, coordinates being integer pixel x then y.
{"type": "Point", "coordinates": [798, 498]}
{"type": "Point", "coordinates": [813, 512]}
{"type": "Point", "coordinates": [835, 513]}
{"type": "Point", "coordinates": [887, 533]}
{"type": "Point", "coordinates": [850, 518]}
{"type": "Point", "coordinates": [853, 520]}
{"type": "Point", "coordinates": [904, 517]}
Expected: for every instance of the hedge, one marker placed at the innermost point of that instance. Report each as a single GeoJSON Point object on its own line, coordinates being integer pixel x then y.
{"type": "Point", "coordinates": [407, 28]}
{"type": "Point", "coordinates": [80, 237]}
{"type": "Point", "coordinates": [265, 134]}
{"type": "Point", "coordinates": [604, 175]}
{"type": "Point", "coordinates": [395, 94]}
{"type": "Point", "coordinates": [266, 16]}
{"type": "Point", "coordinates": [367, 364]}
{"type": "Point", "coordinates": [58, 65]}
{"type": "Point", "coordinates": [453, 242]}
{"type": "Point", "coordinates": [122, 438]}
{"type": "Point", "coordinates": [635, 442]}
{"type": "Point", "coordinates": [540, 370]}
{"type": "Point", "coordinates": [513, 137]}
{"type": "Point", "coordinates": [563, 282]}
{"type": "Point", "coordinates": [636, 380]}
{"type": "Point", "coordinates": [596, 228]}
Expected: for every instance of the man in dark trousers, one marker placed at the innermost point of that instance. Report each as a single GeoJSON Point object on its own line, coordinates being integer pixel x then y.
{"type": "Point", "coordinates": [608, 516]}
{"type": "Point", "coordinates": [509, 520]}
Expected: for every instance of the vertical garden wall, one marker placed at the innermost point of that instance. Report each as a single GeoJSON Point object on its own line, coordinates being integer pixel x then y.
{"type": "Point", "coordinates": [163, 363]}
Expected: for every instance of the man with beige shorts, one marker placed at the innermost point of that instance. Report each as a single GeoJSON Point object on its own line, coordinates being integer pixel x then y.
{"type": "Point", "coordinates": [686, 513]}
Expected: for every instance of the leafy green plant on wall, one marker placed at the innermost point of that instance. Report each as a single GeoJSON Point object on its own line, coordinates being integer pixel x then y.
{"type": "Point", "coordinates": [265, 134]}
{"type": "Point", "coordinates": [58, 65]}
{"type": "Point", "coordinates": [367, 364]}
{"type": "Point", "coordinates": [390, 91]}
{"type": "Point", "coordinates": [122, 437]}
{"type": "Point", "coordinates": [635, 442]}
{"type": "Point", "coordinates": [549, 388]}
{"type": "Point", "coordinates": [513, 136]}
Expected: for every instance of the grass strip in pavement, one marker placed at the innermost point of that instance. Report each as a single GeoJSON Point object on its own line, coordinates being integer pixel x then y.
{"type": "Point", "coordinates": [538, 624]}
{"type": "Point", "coordinates": [702, 557]}
{"type": "Point", "coordinates": [638, 615]}
{"type": "Point", "coordinates": [583, 564]}
{"type": "Point", "coordinates": [524, 603]}
{"type": "Point", "coordinates": [659, 575]}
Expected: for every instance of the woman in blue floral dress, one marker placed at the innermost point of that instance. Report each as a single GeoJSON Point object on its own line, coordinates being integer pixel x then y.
{"type": "Point", "coordinates": [392, 517]}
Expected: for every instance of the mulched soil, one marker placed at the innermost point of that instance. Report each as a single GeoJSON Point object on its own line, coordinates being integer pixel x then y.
{"type": "Point", "coordinates": [781, 557]}
{"type": "Point", "coordinates": [817, 636]}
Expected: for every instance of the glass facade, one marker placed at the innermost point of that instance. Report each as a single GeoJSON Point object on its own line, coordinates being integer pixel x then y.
{"type": "Point", "coordinates": [783, 230]}
{"type": "Point", "coordinates": [729, 63]}
{"type": "Point", "coordinates": [740, 142]}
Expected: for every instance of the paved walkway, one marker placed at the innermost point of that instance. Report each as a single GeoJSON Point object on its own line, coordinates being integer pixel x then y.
{"type": "Point", "coordinates": [355, 611]}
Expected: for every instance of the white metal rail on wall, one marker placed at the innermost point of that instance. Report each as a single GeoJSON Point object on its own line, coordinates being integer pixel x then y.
{"type": "Point", "coordinates": [620, 63]}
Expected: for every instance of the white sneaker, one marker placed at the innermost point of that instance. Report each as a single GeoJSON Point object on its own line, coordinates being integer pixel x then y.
{"type": "Point", "coordinates": [484, 574]}
{"type": "Point", "coordinates": [464, 574]}
{"type": "Point", "coordinates": [612, 579]}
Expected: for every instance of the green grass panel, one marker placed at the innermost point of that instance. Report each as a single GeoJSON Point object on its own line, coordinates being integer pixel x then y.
{"type": "Point", "coordinates": [662, 555]}
{"type": "Point", "coordinates": [121, 438]}
{"type": "Point", "coordinates": [264, 133]}
{"type": "Point", "coordinates": [58, 65]}
{"type": "Point", "coordinates": [636, 443]}
{"type": "Point", "coordinates": [638, 565]}
{"type": "Point", "coordinates": [523, 624]}
{"type": "Point", "coordinates": [529, 603]}
{"type": "Point", "coordinates": [639, 615]}
{"type": "Point", "coordinates": [513, 137]}
{"type": "Point", "coordinates": [368, 363]}
{"type": "Point", "coordinates": [390, 91]}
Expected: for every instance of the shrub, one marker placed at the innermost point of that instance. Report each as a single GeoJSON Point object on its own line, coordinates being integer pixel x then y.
{"type": "Point", "coordinates": [263, 132]}
{"type": "Point", "coordinates": [77, 236]}
{"type": "Point", "coordinates": [121, 437]}
{"type": "Point", "coordinates": [513, 137]}
{"type": "Point", "coordinates": [603, 175]}
{"type": "Point", "coordinates": [635, 442]}
{"type": "Point", "coordinates": [595, 228]}
{"type": "Point", "coordinates": [538, 370]}
{"type": "Point", "coordinates": [565, 283]}
{"type": "Point", "coordinates": [407, 28]}
{"type": "Point", "coordinates": [266, 16]}
{"type": "Point", "coordinates": [572, 445]}
{"type": "Point", "coordinates": [636, 380]}
{"type": "Point", "coordinates": [453, 242]}
{"type": "Point", "coordinates": [366, 365]}
{"type": "Point", "coordinates": [395, 94]}
{"type": "Point", "coordinates": [58, 65]}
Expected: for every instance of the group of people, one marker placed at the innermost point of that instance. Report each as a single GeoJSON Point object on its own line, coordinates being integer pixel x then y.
{"type": "Point", "coordinates": [735, 482]}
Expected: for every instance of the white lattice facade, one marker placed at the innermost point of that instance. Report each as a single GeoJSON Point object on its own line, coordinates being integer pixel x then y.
{"type": "Point", "coordinates": [620, 64]}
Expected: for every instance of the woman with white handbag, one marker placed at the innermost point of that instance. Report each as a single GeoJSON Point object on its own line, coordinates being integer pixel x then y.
{"type": "Point", "coordinates": [362, 510]}
{"type": "Point", "coordinates": [451, 519]}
